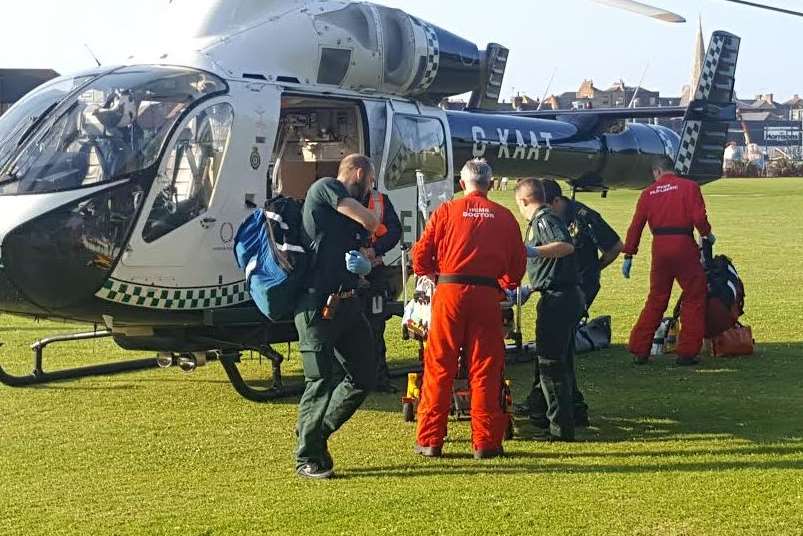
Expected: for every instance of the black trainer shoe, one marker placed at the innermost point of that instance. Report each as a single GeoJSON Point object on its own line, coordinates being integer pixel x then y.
{"type": "Point", "coordinates": [687, 361]}
{"type": "Point", "coordinates": [314, 471]}
{"type": "Point", "coordinates": [641, 360]}
{"type": "Point", "coordinates": [545, 435]}
{"type": "Point", "coordinates": [428, 452]}
{"type": "Point", "coordinates": [483, 454]}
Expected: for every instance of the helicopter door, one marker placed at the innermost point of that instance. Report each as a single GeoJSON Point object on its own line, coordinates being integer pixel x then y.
{"type": "Point", "coordinates": [182, 209]}
{"type": "Point", "coordinates": [415, 143]}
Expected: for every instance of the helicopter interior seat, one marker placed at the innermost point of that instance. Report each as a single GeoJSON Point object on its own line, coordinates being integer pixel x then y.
{"type": "Point", "coordinates": [177, 202]}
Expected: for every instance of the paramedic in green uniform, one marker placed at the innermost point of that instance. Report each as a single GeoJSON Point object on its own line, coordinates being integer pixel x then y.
{"type": "Point", "coordinates": [596, 244]}
{"type": "Point", "coordinates": [337, 223]}
{"type": "Point", "coordinates": [552, 269]}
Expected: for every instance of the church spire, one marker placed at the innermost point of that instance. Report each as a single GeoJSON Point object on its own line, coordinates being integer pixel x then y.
{"type": "Point", "coordinates": [698, 60]}
{"type": "Point", "coordinates": [699, 56]}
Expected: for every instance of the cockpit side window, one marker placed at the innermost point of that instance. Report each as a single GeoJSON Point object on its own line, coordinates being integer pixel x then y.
{"type": "Point", "coordinates": [191, 172]}
{"type": "Point", "coordinates": [21, 119]}
{"type": "Point", "coordinates": [416, 144]}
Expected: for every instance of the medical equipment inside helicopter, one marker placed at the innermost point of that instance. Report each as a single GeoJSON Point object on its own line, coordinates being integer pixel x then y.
{"type": "Point", "coordinates": [314, 136]}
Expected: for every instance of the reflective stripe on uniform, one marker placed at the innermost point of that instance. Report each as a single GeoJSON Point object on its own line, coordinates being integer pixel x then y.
{"type": "Point", "coordinates": [376, 204]}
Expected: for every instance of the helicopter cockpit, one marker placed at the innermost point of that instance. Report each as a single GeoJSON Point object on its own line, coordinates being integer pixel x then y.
{"type": "Point", "coordinates": [105, 133]}
{"type": "Point", "coordinates": [93, 129]}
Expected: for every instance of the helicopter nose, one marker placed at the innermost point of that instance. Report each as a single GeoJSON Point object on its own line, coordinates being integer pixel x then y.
{"type": "Point", "coordinates": [56, 260]}
{"type": "Point", "coordinates": [12, 301]}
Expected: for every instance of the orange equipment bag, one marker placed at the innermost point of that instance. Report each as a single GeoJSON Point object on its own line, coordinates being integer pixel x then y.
{"type": "Point", "coordinates": [737, 341]}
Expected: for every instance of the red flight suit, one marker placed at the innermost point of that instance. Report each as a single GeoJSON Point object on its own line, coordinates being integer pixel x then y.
{"type": "Point", "coordinates": [472, 236]}
{"type": "Point", "coordinates": [674, 207]}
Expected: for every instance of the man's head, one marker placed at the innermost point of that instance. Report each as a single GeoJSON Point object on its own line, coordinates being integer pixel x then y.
{"type": "Point", "coordinates": [357, 175]}
{"type": "Point", "coordinates": [476, 176]}
{"type": "Point", "coordinates": [661, 167]}
{"type": "Point", "coordinates": [553, 196]}
{"type": "Point", "coordinates": [530, 197]}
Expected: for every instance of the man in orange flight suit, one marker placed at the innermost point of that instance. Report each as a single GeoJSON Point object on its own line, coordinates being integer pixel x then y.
{"type": "Point", "coordinates": [473, 248]}
{"type": "Point", "coordinates": [673, 207]}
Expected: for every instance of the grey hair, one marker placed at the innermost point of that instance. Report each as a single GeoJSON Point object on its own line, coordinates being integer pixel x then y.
{"type": "Point", "coordinates": [477, 171]}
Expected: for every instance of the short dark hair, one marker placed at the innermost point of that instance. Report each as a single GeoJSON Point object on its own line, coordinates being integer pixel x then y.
{"type": "Point", "coordinates": [552, 190]}
{"type": "Point", "coordinates": [663, 164]}
{"type": "Point", "coordinates": [354, 162]}
{"type": "Point", "coordinates": [531, 189]}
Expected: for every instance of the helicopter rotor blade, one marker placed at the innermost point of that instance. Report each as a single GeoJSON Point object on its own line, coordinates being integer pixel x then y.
{"type": "Point", "coordinates": [643, 9]}
{"type": "Point", "coordinates": [770, 8]}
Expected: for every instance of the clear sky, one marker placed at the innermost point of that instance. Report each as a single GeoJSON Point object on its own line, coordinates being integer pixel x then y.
{"type": "Point", "coordinates": [578, 37]}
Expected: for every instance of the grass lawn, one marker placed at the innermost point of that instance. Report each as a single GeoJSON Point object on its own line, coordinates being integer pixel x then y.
{"type": "Point", "coordinates": [712, 450]}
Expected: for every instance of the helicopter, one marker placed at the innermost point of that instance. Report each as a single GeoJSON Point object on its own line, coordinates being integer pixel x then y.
{"type": "Point", "coordinates": [121, 188]}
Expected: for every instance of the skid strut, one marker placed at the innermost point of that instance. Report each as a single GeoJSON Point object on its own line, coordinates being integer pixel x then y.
{"type": "Point", "coordinates": [38, 376]}
{"type": "Point", "coordinates": [229, 360]}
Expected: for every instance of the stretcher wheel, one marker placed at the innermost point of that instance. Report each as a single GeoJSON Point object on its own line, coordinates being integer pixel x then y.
{"type": "Point", "coordinates": [509, 430]}
{"type": "Point", "coordinates": [408, 411]}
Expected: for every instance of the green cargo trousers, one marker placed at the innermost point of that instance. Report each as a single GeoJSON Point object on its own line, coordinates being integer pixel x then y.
{"type": "Point", "coordinates": [558, 314]}
{"type": "Point", "coordinates": [330, 399]}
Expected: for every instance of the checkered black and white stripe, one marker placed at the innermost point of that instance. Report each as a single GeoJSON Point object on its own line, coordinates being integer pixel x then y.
{"type": "Point", "coordinates": [688, 144]}
{"type": "Point", "coordinates": [181, 299]}
{"type": "Point", "coordinates": [433, 55]}
{"type": "Point", "coordinates": [710, 67]}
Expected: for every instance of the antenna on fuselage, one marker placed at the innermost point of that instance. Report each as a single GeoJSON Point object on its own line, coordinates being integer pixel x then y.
{"type": "Point", "coordinates": [93, 54]}
{"type": "Point", "coordinates": [548, 87]}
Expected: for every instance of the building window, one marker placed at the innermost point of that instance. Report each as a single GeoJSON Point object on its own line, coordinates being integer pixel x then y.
{"type": "Point", "coordinates": [416, 144]}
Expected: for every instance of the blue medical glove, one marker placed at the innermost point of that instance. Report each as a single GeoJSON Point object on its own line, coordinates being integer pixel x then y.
{"type": "Point", "coordinates": [526, 292]}
{"type": "Point", "coordinates": [532, 252]}
{"type": "Point", "coordinates": [627, 266]}
{"type": "Point", "coordinates": [711, 238]}
{"type": "Point", "coordinates": [356, 263]}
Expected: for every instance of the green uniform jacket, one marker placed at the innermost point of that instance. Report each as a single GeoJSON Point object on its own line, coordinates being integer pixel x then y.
{"type": "Point", "coordinates": [550, 274]}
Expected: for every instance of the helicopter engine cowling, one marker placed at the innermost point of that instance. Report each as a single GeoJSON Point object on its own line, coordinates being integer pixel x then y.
{"type": "Point", "coordinates": [355, 46]}
{"type": "Point", "coordinates": [394, 52]}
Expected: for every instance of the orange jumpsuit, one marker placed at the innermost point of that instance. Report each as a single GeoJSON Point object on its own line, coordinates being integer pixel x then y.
{"type": "Point", "coordinates": [476, 238]}
{"type": "Point", "coordinates": [674, 207]}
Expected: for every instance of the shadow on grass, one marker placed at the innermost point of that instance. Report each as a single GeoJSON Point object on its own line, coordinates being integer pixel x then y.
{"type": "Point", "coordinates": [752, 398]}
{"type": "Point", "coordinates": [68, 386]}
{"type": "Point", "coordinates": [437, 468]}
{"type": "Point", "coordinates": [27, 328]}
{"type": "Point", "coordinates": [756, 399]}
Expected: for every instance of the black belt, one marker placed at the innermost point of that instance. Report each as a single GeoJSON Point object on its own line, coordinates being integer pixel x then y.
{"type": "Point", "coordinates": [343, 295]}
{"type": "Point", "coordinates": [473, 280]}
{"type": "Point", "coordinates": [668, 231]}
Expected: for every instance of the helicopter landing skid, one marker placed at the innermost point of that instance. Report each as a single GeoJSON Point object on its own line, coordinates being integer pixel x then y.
{"type": "Point", "coordinates": [38, 376]}
{"type": "Point", "coordinates": [229, 360]}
